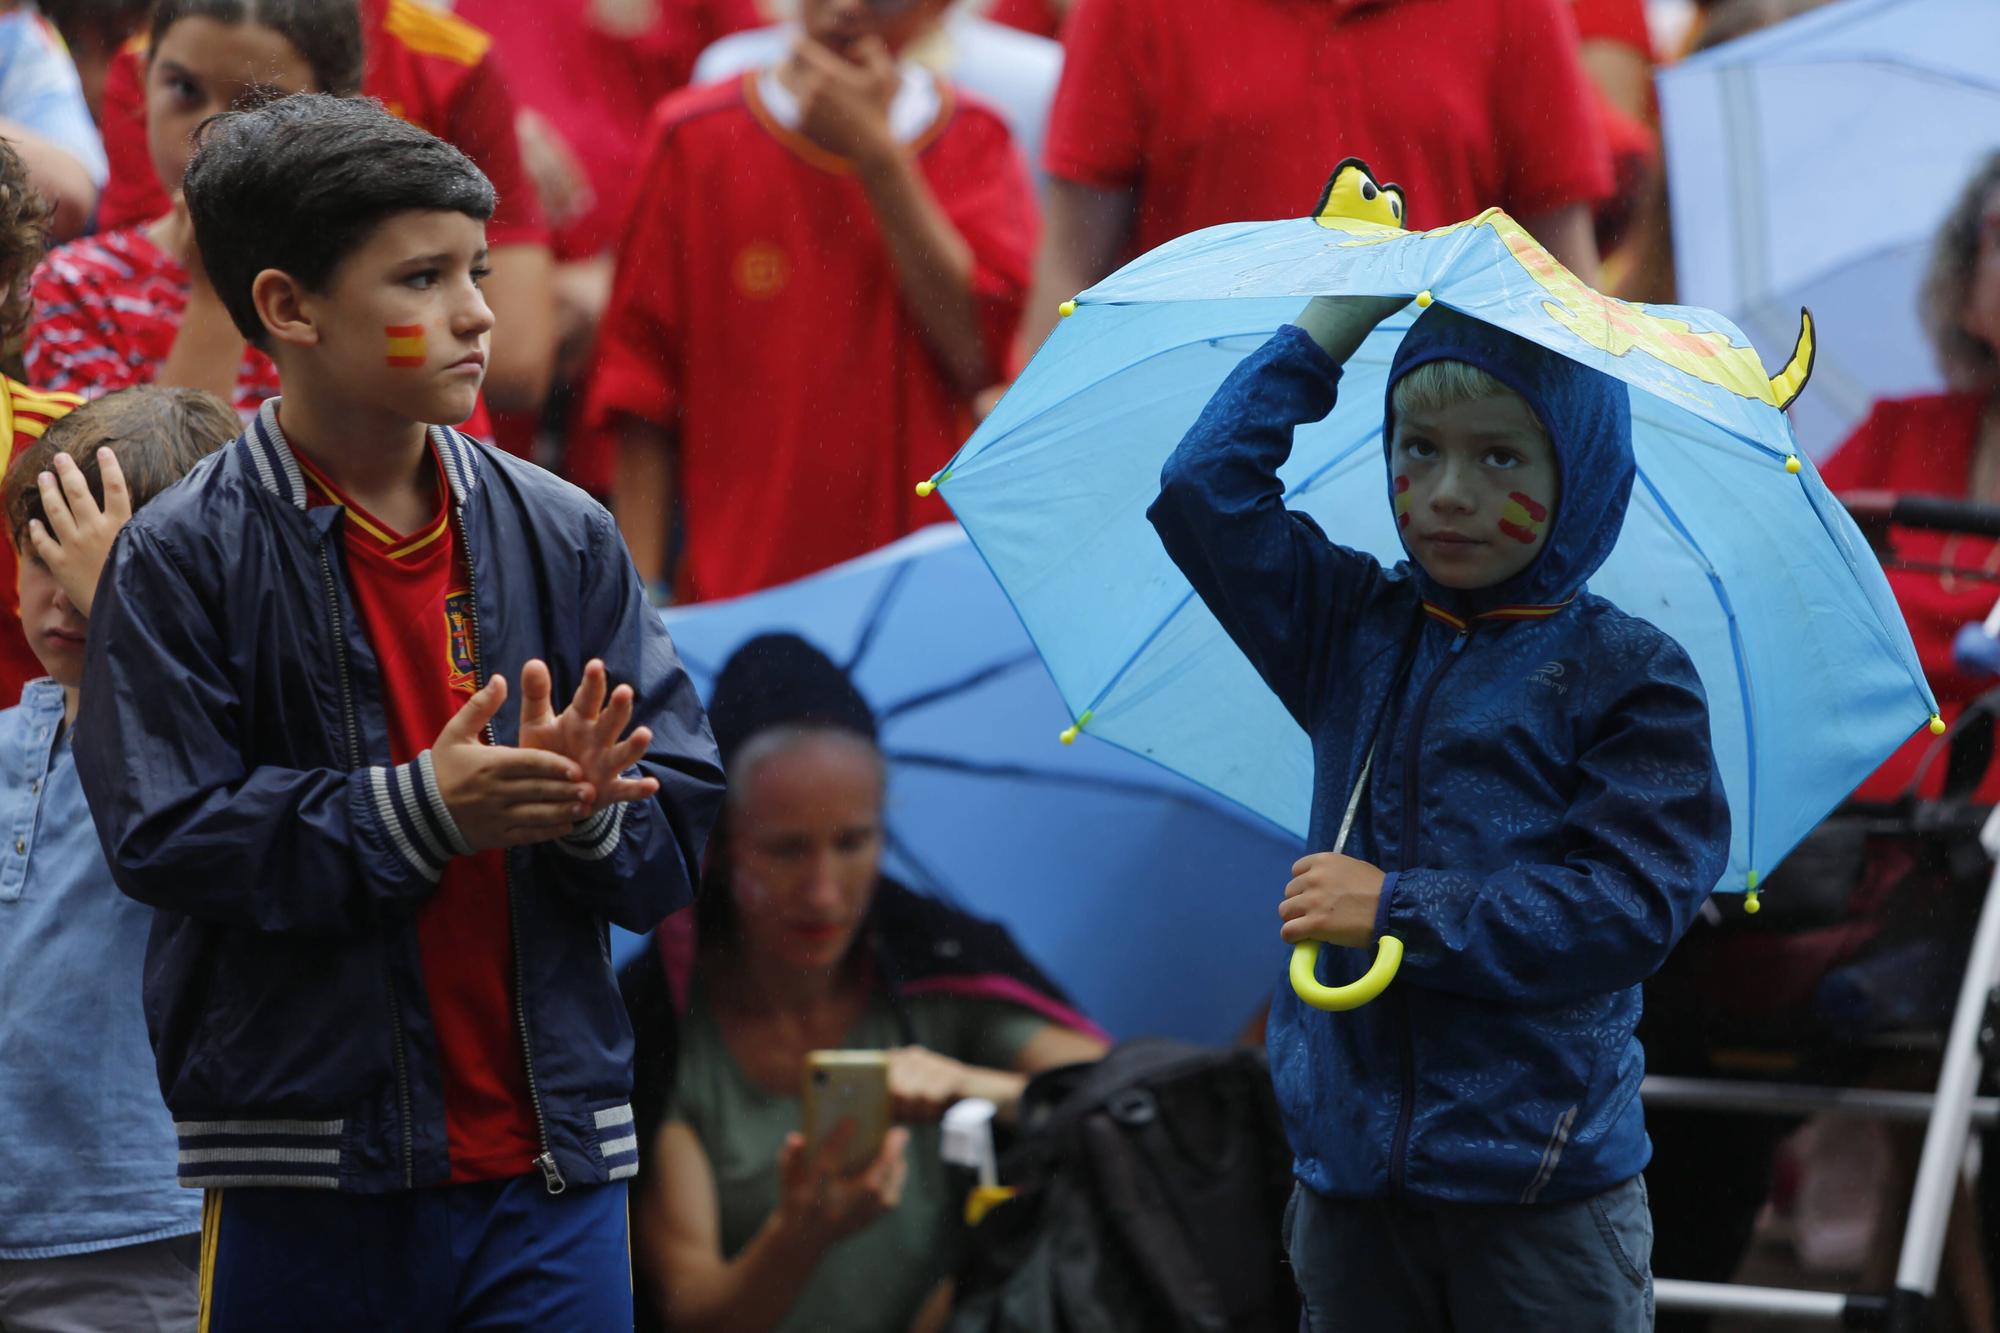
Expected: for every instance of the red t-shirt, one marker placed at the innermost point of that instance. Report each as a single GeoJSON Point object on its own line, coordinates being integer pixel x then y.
{"type": "Point", "coordinates": [24, 414]}
{"type": "Point", "coordinates": [603, 117]}
{"type": "Point", "coordinates": [1925, 446]}
{"type": "Point", "coordinates": [416, 605]}
{"type": "Point", "coordinates": [1231, 110]}
{"type": "Point", "coordinates": [431, 69]}
{"type": "Point", "coordinates": [107, 310]}
{"type": "Point", "coordinates": [1622, 21]}
{"type": "Point", "coordinates": [1036, 16]}
{"type": "Point", "coordinates": [757, 314]}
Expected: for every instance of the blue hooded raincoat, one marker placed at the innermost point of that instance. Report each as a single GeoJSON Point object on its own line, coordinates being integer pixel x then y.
{"type": "Point", "coordinates": [1543, 795]}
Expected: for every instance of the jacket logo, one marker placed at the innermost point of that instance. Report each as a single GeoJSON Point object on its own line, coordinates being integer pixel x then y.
{"type": "Point", "coordinates": [458, 641]}
{"type": "Point", "coordinates": [1549, 675]}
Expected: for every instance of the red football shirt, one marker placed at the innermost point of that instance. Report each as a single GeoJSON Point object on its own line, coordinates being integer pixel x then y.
{"type": "Point", "coordinates": [431, 69]}
{"type": "Point", "coordinates": [1036, 16]}
{"type": "Point", "coordinates": [1231, 110]}
{"type": "Point", "coordinates": [1925, 446]}
{"type": "Point", "coordinates": [416, 605]}
{"type": "Point", "coordinates": [757, 314]}
{"type": "Point", "coordinates": [24, 414]}
{"type": "Point", "coordinates": [602, 118]}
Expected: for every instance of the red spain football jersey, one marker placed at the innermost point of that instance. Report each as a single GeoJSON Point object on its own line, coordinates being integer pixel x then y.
{"type": "Point", "coordinates": [1233, 110]}
{"type": "Point", "coordinates": [432, 69]}
{"type": "Point", "coordinates": [416, 607]}
{"type": "Point", "coordinates": [757, 314]}
{"type": "Point", "coordinates": [24, 414]}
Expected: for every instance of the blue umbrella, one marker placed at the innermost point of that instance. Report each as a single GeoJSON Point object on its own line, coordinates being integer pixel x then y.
{"type": "Point", "coordinates": [1733, 544]}
{"type": "Point", "coordinates": [1811, 163]}
{"type": "Point", "coordinates": [1108, 869]}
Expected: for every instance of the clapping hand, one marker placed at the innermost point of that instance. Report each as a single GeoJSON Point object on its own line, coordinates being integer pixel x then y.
{"type": "Point", "coordinates": [587, 732]}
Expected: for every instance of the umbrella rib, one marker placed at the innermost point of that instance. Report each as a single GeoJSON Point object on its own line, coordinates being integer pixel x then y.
{"type": "Point", "coordinates": [871, 622]}
{"type": "Point", "coordinates": [1744, 688]}
{"type": "Point", "coordinates": [972, 681]}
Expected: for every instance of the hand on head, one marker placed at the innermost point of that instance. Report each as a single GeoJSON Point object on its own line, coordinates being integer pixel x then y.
{"type": "Point", "coordinates": [76, 541]}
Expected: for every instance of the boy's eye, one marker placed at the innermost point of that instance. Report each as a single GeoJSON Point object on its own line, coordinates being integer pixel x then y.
{"type": "Point", "coordinates": [423, 280]}
{"type": "Point", "coordinates": [480, 273]}
{"type": "Point", "coordinates": [1419, 448]}
{"type": "Point", "coordinates": [185, 91]}
{"type": "Point", "coordinates": [1502, 458]}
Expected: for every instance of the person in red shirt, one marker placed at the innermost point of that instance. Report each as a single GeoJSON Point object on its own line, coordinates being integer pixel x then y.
{"type": "Point", "coordinates": [1174, 115]}
{"type": "Point", "coordinates": [823, 266]}
{"type": "Point", "coordinates": [1044, 18]}
{"type": "Point", "coordinates": [437, 72]}
{"type": "Point", "coordinates": [1944, 444]}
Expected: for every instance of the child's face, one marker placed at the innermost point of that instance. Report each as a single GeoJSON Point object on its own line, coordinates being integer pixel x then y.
{"type": "Point", "coordinates": [402, 325]}
{"type": "Point", "coordinates": [1475, 489]}
{"type": "Point", "coordinates": [202, 68]}
{"type": "Point", "coordinates": [54, 628]}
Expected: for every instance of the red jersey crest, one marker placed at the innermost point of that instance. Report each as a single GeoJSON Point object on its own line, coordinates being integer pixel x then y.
{"type": "Point", "coordinates": [458, 641]}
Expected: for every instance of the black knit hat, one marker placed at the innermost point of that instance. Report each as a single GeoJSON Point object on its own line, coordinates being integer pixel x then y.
{"type": "Point", "coordinates": [780, 680]}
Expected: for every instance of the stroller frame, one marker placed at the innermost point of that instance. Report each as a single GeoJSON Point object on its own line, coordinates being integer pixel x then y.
{"type": "Point", "coordinates": [1949, 1113]}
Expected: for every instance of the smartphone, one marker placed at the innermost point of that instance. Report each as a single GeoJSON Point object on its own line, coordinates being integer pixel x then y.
{"type": "Point", "coordinates": [848, 1085]}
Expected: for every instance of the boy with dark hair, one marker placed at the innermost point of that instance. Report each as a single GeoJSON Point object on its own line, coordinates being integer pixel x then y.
{"type": "Point", "coordinates": [1511, 776]}
{"type": "Point", "coordinates": [107, 1242]}
{"type": "Point", "coordinates": [384, 1016]}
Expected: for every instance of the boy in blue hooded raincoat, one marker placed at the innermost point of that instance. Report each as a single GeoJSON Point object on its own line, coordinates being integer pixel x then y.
{"type": "Point", "coordinates": [1535, 808]}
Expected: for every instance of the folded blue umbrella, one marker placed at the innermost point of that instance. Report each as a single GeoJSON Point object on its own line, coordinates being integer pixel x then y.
{"type": "Point", "coordinates": [1112, 872]}
{"type": "Point", "coordinates": [1732, 544]}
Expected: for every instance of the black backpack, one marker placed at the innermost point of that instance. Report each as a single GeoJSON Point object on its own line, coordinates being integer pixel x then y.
{"type": "Point", "coordinates": [1153, 1187]}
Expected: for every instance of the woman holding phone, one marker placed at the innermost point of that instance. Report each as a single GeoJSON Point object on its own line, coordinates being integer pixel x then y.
{"type": "Point", "coordinates": [800, 944]}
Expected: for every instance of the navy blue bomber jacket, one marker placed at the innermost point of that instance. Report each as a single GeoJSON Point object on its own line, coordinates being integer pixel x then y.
{"type": "Point", "coordinates": [235, 752]}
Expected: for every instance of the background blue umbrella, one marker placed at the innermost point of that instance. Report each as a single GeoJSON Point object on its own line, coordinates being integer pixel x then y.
{"type": "Point", "coordinates": [1811, 163]}
{"type": "Point", "coordinates": [1150, 899]}
{"type": "Point", "coordinates": [1732, 544]}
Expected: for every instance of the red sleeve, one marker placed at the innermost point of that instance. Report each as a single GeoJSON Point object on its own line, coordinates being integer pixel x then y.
{"type": "Point", "coordinates": [1622, 21]}
{"type": "Point", "coordinates": [132, 194]}
{"type": "Point", "coordinates": [1545, 117]}
{"type": "Point", "coordinates": [1098, 123]}
{"type": "Point", "coordinates": [70, 344]}
{"type": "Point", "coordinates": [992, 205]}
{"type": "Point", "coordinates": [481, 123]}
{"type": "Point", "coordinates": [638, 344]}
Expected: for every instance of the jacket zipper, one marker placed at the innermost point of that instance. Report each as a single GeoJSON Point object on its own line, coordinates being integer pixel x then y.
{"type": "Point", "coordinates": [354, 764]}
{"type": "Point", "coordinates": [1400, 1149]}
{"type": "Point", "coordinates": [551, 1176]}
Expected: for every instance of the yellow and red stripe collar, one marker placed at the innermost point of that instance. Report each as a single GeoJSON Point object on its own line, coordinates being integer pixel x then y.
{"type": "Point", "coordinates": [394, 545]}
{"type": "Point", "coordinates": [1460, 624]}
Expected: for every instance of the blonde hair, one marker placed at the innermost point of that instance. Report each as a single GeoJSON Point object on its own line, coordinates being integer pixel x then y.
{"type": "Point", "coordinates": [1440, 384]}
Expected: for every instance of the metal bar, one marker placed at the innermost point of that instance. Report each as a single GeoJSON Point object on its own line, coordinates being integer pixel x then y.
{"type": "Point", "coordinates": [1725, 1094]}
{"type": "Point", "coordinates": [1727, 1298]}
{"type": "Point", "coordinates": [1944, 1141]}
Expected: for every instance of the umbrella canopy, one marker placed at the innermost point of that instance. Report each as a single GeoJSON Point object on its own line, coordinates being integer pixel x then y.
{"type": "Point", "coordinates": [1732, 544]}
{"type": "Point", "coordinates": [1811, 163]}
{"type": "Point", "coordinates": [1107, 868]}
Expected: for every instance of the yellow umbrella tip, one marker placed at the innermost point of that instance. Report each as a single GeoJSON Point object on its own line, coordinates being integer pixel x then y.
{"type": "Point", "coordinates": [1066, 309]}
{"type": "Point", "coordinates": [1937, 725]}
{"type": "Point", "coordinates": [1424, 299]}
{"type": "Point", "coordinates": [1793, 466]}
{"type": "Point", "coordinates": [924, 489]}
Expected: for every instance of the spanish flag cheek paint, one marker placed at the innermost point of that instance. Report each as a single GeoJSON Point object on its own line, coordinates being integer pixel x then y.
{"type": "Point", "coordinates": [1523, 518]}
{"type": "Point", "coordinates": [1402, 502]}
{"type": "Point", "coordinates": [405, 344]}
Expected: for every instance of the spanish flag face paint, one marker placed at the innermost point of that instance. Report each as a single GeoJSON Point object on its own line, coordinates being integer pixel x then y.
{"type": "Point", "coordinates": [1523, 518]}
{"type": "Point", "coordinates": [405, 345]}
{"type": "Point", "coordinates": [1402, 502]}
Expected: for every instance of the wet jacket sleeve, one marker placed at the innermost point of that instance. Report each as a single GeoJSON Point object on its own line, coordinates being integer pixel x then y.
{"type": "Point", "coordinates": [1283, 593]}
{"type": "Point", "coordinates": [1646, 839]}
{"type": "Point", "coordinates": [636, 863]}
{"type": "Point", "coordinates": [186, 824]}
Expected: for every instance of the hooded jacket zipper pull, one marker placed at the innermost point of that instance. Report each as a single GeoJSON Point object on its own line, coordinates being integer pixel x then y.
{"type": "Point", "coordinates": [551, 1177]}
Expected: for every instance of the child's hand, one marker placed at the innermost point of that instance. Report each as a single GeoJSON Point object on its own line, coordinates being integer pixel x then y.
{"type": "Point", "coordinates": [844, 103]}
{"type": "Point", "coordinates": [76, 541]}
{"type": "Point", "coordinates": [587, 733]}
{"type": "Point", "coordinates": [1332, 898]}
{"type": "Point", "coordinates": [1340, 324]}
{"type": "Point", "coordinates": [498, 795]}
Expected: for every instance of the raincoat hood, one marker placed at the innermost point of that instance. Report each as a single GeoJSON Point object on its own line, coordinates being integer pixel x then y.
{"type": "Point", "coordinates": [1588, 417]}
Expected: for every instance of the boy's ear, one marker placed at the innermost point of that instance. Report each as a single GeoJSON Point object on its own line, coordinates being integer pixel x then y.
{"type": "Point", "coordinates": [282, 307]}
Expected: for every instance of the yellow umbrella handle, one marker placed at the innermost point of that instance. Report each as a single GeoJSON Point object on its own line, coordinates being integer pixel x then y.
{"type": "Point", "coordinates": [1339, 999]}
